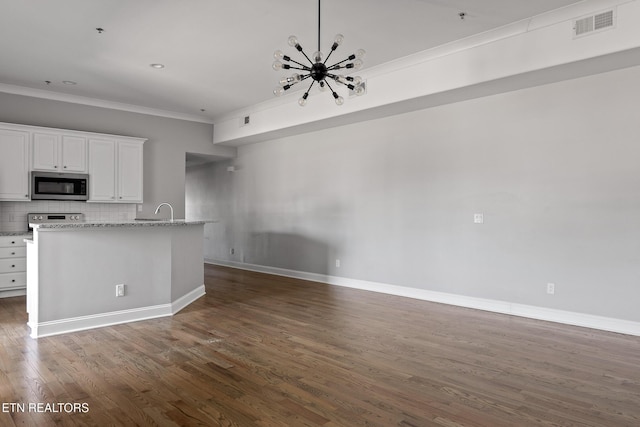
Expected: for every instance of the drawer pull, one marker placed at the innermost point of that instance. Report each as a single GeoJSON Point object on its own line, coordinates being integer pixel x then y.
{"type": "Point", "coordinates": [13, 242]}
{"type": "Point", "coordinates": [13, 266]}
{"type": "Point", "coordinates": [13, 280]}
{"type": "Point", "coordinates": [13, 253]}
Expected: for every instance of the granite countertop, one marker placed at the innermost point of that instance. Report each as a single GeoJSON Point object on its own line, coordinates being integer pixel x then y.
{"type": "Point", "coordinates": [15, 233]}
{"type": "Point", "coordinates": [115, 224]}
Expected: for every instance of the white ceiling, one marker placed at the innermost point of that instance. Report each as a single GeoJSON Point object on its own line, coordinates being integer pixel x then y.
{"type": "Point", "coordinates": [217, 53]}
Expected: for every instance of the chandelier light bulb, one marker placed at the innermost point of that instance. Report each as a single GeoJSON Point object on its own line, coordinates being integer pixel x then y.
{"type": "Point", "coordinates": [357, 80]}
{"type": "Point", "coordinates": [278, 91]}
{"type": "Point", "coordinates": [317, 56]}
{"type": "Point", "coordinates": [360, 53]}
{"type": "Point", "coordinates": [338, 39]}
{"type": "Point", "coordinates": [277, 65]}
{"type": "Point", "coordinates": [359, 90]}
{"type": "Point", "coordinates": [285, 81]}
{"type": "Point", "coordinates": [357, 64]}
{"type": "Point", "coordinates": [302, 101]}
{"type": "Point", "coordinates": [339, 100]}
{"type": "Point", "coordinates": [293, 41]}
{"type": "Point", "coordinates": [278, 54]}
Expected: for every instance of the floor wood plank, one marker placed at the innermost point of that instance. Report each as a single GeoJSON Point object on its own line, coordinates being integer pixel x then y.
{"type": "Point", "coordinates": [262, 350]}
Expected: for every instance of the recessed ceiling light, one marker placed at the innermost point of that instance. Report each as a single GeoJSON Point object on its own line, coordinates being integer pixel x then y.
{"type": "Point", "coordinates": [69, 82]}
{"type": "Point", "coordinates": [158, 66]}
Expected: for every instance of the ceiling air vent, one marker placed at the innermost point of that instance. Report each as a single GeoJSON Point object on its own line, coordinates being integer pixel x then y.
{"type": "Point", "coordinates": [245, 121]}
{"type": "Point", "coordinates": [594, 23]}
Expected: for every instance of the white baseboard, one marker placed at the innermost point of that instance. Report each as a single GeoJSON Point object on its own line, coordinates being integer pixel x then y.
{"type": "Point", "coordinates": [187, 299]}
{"type": "Point", "coordinates": [63, 326]}
{"type": "Point", "coordinates": [74, 324]}
{"type": "Point", "coordinates": [503, 307]}
{"type": "Point", "coordinates": [13, 293]}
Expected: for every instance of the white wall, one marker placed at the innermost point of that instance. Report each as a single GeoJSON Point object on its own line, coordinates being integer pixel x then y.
{"type": "Point", "coordinates": [554, 170]}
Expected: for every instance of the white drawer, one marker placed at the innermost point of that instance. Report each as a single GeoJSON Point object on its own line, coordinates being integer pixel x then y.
{"type": "Point", "coordinates": [12, 241]}
{"type": "Point", "coordinates": [17, 252]}
{"type": "Point", "coordinates": [13, 280]}
{"type": "Point", "coordinates": [13, 265]}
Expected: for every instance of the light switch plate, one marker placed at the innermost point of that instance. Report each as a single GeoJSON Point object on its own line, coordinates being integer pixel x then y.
{"type": "Point", "coordinates": [478, 218]}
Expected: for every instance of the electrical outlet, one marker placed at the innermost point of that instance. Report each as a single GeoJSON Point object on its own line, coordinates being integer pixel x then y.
{"type": "Point", "coordinates": [478, 218]}
{"type": "Point", "coordinates": [551, 288]}
{"type": "Point", "coordinates": [338, 263]}
{"type": "Point", "coordinates": [120, 290]}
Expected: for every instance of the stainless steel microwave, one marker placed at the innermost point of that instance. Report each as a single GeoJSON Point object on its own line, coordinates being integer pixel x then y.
{"type": "Point", "coordinates": [59, 186]}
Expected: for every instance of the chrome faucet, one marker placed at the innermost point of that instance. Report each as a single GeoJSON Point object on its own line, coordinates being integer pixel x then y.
{"type": "Point", "coordinates": [170, 207]}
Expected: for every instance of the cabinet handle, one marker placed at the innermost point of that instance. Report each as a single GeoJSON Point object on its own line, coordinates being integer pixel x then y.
{"type": "Point", "coordinates": [13, 280]}
{"type": "Point", "coordinates": [65, 167]}
{"type": "Point", "coordinates": [55, 167]}
{"type": "Point", "coordinates": [13, 266]}
{"type": "Point", "coordinates": [13, 253]}
{"type": "Point", "coordinates": [13, 242]}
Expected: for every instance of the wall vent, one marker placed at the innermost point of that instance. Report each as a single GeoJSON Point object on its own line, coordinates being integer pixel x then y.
{"type": "Point", "coordinates": [594, 23]}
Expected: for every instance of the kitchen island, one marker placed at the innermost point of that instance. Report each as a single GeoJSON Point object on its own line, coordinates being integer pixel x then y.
{"type": "Point", "coordinates": [92, 274]}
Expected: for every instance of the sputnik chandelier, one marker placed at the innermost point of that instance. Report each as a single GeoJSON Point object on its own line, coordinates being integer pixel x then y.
{"type": "Point", "coordinates": [318, 70]}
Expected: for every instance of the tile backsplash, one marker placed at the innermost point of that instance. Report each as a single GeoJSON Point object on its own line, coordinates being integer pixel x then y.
{"type": "Point", "coordinates": [13, 215]}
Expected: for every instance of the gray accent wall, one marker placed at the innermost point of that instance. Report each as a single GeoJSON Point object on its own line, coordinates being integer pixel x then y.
{"type": "Point", "coordinates": [164, 152]}
{"type": "Point", "coordinates": [554, 169]}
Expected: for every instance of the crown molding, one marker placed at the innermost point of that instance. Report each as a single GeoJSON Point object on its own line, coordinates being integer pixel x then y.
{"type": "Point", "coordinates": [94, 102]}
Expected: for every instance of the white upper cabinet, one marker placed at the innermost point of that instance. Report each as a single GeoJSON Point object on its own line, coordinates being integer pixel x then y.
{"type": "Point", "coordinates": [129, 172]}
{"type": "Point", "coordinates": [74, 153]}
{"type": "Point", "coordinates": [59, 152]}
{"type": "Point", "coordinates": [102, 163]}
{"type": "Point", "coordinates": [14, 164]}
{"type": "Point", "coordinates": [115, 170]}
{"type": "Point", "coordinates": [113, 162]}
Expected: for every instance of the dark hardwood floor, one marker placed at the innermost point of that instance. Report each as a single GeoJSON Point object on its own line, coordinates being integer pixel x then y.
{"type": "Point", "coordinates": [261, 350]}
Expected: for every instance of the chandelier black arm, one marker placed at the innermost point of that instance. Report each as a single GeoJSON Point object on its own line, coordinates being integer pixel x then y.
{"type": "Point", "coordinates": [337, 66]}
{"type": "Point", "coordinates": [336, 79]}
{"type": "Point", "coordinates": [310, 86]}
{"type": "Point", "coordinates": [335, 94]}
{"type": "Point", "coordinates": [289, 67]}
{"type": "Point", "coordinates": [333, 49]}
{"type": "Point", "coordinates": [305, 95]}
{"type": "Point", "coordinates": [303, 78]}
{"type": "Point", "coordinates": [290, 85]}
{"type": "Point", "coordinates": [295, 62]}
{"type": "Point", "coordinates": [299, 48]}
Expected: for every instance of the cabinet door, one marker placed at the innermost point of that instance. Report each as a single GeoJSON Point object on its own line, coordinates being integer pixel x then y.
{"type": "Point", "coordinates": [129, 172]}
{"type": "Point", "coordinates": [74, 154]}
{"type": "Point", "coordinates": [14, 165]}
{"type": "Point", "coordinates": [102, 170]}
{"type": "Point", "coordinates": [45, 151]}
